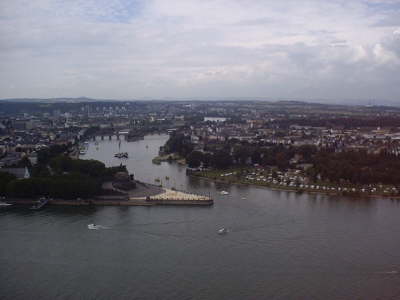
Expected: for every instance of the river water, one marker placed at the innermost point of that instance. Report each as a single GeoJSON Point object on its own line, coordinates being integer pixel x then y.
{"type": "Point", "coordinates": [280, 245]}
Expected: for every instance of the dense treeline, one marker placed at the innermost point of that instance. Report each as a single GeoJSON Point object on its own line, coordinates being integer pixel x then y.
{"type": "Point", "coordinates": [356, 167]}
{"type": "Point", "coordinates": [69, 186]}
{"type": "Point", "coordinates": [179, 143]}
{"type": "Point", "coordinates": [343, 122]}
{"type": "Point", "coordinates": [44, 156]}
{"type": "Point", "coordinates": [5, 179]}
{"type": "Point", "coordinates": [71, 179]}
{"type": "Point", "coordinates": [236, 153]}
{"type": "Point", "coordinates": [57, 175]}
{"type": "Point", "coordinates": [93, 168]}
{"type": "Point", "coordinates": [240, 155]}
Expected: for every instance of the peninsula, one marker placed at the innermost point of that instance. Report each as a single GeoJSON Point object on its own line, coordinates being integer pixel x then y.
{"type": "Point", "coordinates": [62, 180]}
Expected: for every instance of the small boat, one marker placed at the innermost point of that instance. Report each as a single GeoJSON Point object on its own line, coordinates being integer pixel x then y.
{"type": "Point", "coordinates": [122, 155]}
{"type": "Point", "coordinates": [42, 202]}
{"type": "Point", "coordinates": [96, 227]}
{"type": "Point", "coordinates": [93, 227]}
{"type": "Point", "coordinates": [224, 193]}
{"type": "Point", "coordinates": [222, 231]}
{"type": "Point", "coordinates": [4, 204]}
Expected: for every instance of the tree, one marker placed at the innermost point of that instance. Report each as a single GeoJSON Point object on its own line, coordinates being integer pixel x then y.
{"type": "Point", "coordinates": [256, 157]}
{"type": "Point", "coordinates": [5, 178]}
{"type": "Point", "coordinates": [179, 143]}
{"type": "Point", "coordinates": [194, 159]}
{"type": "Point", "coordinates": [222, 159]}
{"type": "Point", "coordinates": [241, 154]}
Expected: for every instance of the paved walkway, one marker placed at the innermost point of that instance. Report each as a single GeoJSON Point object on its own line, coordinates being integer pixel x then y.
{"type": "Point", "coordinates": [141, 190]}
{"type": "Point", "coordinates": [177, 195]}
{"type": "Point", "coordinates": [144, 190]}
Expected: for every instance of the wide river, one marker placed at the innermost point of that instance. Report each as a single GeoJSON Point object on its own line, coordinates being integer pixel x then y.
{"type": "Point", "coordinates": [280, 245]}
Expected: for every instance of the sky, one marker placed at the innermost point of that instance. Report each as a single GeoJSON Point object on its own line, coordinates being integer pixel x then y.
{"type": "Point", "coordinates": [201, 49]}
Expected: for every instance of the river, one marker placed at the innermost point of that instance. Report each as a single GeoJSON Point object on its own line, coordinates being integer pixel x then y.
{"type": "Point", "coordinates": [280, 245]}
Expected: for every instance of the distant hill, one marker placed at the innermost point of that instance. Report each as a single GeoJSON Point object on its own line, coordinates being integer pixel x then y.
{"type": "Point", "coordinates": [276, 101]}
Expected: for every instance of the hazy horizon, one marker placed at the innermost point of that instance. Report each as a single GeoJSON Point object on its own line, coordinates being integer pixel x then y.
{"type": "Point", "coordinates": [311, 50]}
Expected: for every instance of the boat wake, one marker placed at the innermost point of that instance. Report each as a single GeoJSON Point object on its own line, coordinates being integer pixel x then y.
{"type": "Point", "coordinates": [389, 272]}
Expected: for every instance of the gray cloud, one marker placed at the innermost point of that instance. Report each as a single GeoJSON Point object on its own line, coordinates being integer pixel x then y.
{"type": "Point", "coordinates": [215, 48]}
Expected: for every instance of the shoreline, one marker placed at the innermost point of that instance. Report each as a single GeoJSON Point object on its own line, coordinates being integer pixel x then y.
{"type": "Point", "coordinates": [155, 195]}
{"type": "Point", "coordinates": [299, 191]}
{"type": "Point", "coordinates": [131, 202]}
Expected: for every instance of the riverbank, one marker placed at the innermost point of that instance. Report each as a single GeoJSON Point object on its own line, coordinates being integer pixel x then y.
{"type": "Point", "coordinates": [144, 195]}
{"type": "Point", "coordinates": [168, 158]}
{"type": "Point", "coordinates": [129, 202]}
{"type": "Point", "coordinates": [308, 189]}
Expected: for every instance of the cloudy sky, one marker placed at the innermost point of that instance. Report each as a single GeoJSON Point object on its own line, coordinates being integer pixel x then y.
{"type": "Point", "coordinates": [125, 49]}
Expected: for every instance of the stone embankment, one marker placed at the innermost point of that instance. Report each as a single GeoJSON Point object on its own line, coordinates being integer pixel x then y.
{"type": "Point", "coordinates": [173, 197]}
{"type": "Point", "coordinates": [144, 195]}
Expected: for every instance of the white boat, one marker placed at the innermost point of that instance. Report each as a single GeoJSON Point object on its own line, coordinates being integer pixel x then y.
{"type": "Point", "coordinates": [224, 193]}
{"type": "Point", "coordinates": [223, 230]}
{"type": "Point", "coordinates": [93, 226]}
{"type": "Point", "coordinates": [4, 203]}
{"type": "Point", "coordinates": [96, 227]}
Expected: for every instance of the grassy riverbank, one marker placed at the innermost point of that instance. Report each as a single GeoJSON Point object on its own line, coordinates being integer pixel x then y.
{"type": "Point", "coordinates": [168, 158]}
{"type": "Point", "coordinates": [258, 178]}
